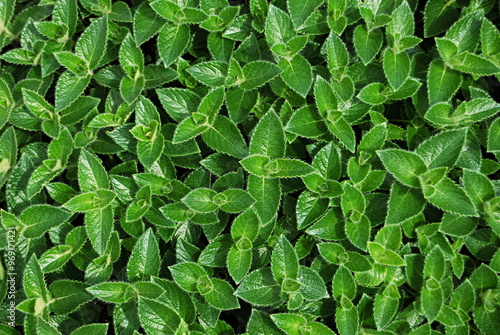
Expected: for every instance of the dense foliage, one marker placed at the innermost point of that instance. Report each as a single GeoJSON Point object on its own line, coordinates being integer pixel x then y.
{"type": "Point", "coordinates": [292, 167]}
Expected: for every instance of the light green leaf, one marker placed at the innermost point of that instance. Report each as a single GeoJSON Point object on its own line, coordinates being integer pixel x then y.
{"type": "Point", "coordinates": [221, 296]}
{"type": "Point", "coordinates": [449, 197]}
{"type": "Point", "coordinates": [225, 137]}
{"type": "Point", "coordinates": [99, 225]}
{"type": "Point", "coordinates": [404, 165]}
{"type": "Point", "coordinates": [145, 259]}
{"type": "Point", "coordinates": [187, 275]}
{"type": "Point", "coordinates": [91, 45]}
{"type": "Point", "coordinates": [278, 27]}
{"type": "Point", "coordinates": [157, 318]}
{"type": "Point", "coordinates": [113, 292]}
{"type": "Point", "coordinates": [494, 136]}
{"type": "Point", "coordinates": [367, 43]}
{"type": "Point", "coordinates": [201, 200]}
{"type": "Point", "coordinates": [38, 219]}
{"type": "Point", "coordinates": [284, 261]}
{"type": "Point", "coordinates": [172, 42]}
{"type": "Point", "coordinates": [256, 74]}
{"type": "Point", "coordinates": [396, 67]}
{"type": "Point", "coordinates": [91, 173]}
{"type": "Point", "coordinates": [212, 73]}
{"type": "Point", "coordinates": [267, 193]}
{"type": "Point", "coordinates": [297, 74]}
{"type": "Point", "coordinates": [259, 288]}
{"type": "Point", "coordinates": [442, 82]}
{"type": "Point", "coordinates": [404, 203]}
{"type": "Point", "coordinates": [306, 122]}
{"type": "Point", "coordinates": [69, 87]}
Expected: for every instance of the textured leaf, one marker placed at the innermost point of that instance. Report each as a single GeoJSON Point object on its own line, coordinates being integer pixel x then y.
{"type": "Point", "coordinates": [259, 288]}
{"type": "Point", "coordinates": [404, 165]}
{"type": "Point", "coordinates": [172, 41]}
{"type": "Point", "coordinates": [297, 74]}
{"type": "Point", "coordinates": [145, 258]}
{"type": "Point", "coordinates": [92, 43]}
{"type": "Point", "coordinates": [157, 318]}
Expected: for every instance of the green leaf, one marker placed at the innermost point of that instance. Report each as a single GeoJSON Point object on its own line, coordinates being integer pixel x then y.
{"type": "Point", "coordinates": [92, 43]}
{"type": "Point", "coordinates": [73, 63]}
{"type": "Point", "coordinates": [310, 207]}
{"type": "Point", "coordinates": [96, 328]}
{"type": "Point", "coordinates": [8, 153]}
{"type": "Point", "coordinates": [131, 57]}
{"type": "Point", "coordinates": [99, 225]}
{"type": "Point", "coordinates": [301, 11]}
{"type": "Point", "coordinates": [239, 103]}
{"type": "Point", "coordinates": [404, 203]}
{"type": "Point", "coordinates": [278, 27]}
{"type": "Point", "coordinates": [256, 74]}
{"type": "Point", "coordinates": [449, 197]}
{"type": "Point", "coordinates": [239, 260]}
{"type": "Point", "coordinates": [267, 193]}
{"type": "Point", "coordinates": [43, 327]}
{"type": "Point", "coordinates": [284, 261]}
{"type": "Point", "coordinates": [386, 306]}
{"type": "Point", "coordinates": [221, 295]}
{"type": "Point", "coordinates": [478, 188]}
{"type": "Point", "coordinates": [490, 38]}
{"type": "Point", "coordinates": [259, 288]}
{"type": "Point", "coordinates": [367, 43]}
{"type": "Point", "coordinates": [234, 200]}
{"type": "Point", "coordinates": [69, 295]}
{"type": "Point", "coordinates": [187, 275]}
{"type": "Point", "coordinates": [268, 138]}
{"type": "Point", "coordinates": [147, 23]}
{"type": "Point", "coordinates": [297, 74]}
{"type": "Point", "coordinates": [172, 41]}
{"type": "Point", "coordinates": [384, 256]}
{"type": "Point", "coordinates": [432, 299]}
{"type": "Point", "coordinates": [113, 292]}
{"type": "Point", "coordinates": [306, 122]}
{"type": "Point", "coordinates": [373, 94]}
{"type": "Point", "coordinates": [201, 200]}
{"type": "Point", "coordinates": [494, 136]}
{"type": "Point", "coordinates": [212, 73]}
{"type": "Point", "coordinates": [178, 102]}
{"type": "Point", "coordinates": [157, 318]}
{"type": "Point", "coordinates": [91, 173]}
{"type": "Point", "coordinates": [343, 284]}
{"type": "Point", "coordinates": [438, 17]}
{"type": "Point", "coordinates": [187, 130]}
{"type": "Point", "coordinates": [289, 323]}
{"type": "Point", "coordinates": [337, 55]}
{"type": "Point", "coordinates": [358, 232]}
{"type": "Point", "coordinates": [261, 322]}
{"type": "Point", "coordinates": [69, 88]}
{"type": "Point", "coordinates": [55, 258]}
{"type": "Point", "coordinates": [34, 281]}
{"type": "Point", "coordinates": [396, 67]}
{"type": "Point", "coordinates": [90, 200]}
{"type": "Point", "coordinates": [38, 219]}
{"type": "Point", "coordinates": [442, 149]}
{"type": "Point", "coordinates": [312, 285]}
{"type": "Point", "coordinates": [131, 88]}
{"type": "Point", "coordinates": [225, 137]}
{"type": "Point", "coordinates": [404, 165]}
{"type": "Point", "coordinates": [442, 82]}
{"type": "Point", "coordinates": [145, 259]}
{"type": "Point", "coordinates": [339, 127]}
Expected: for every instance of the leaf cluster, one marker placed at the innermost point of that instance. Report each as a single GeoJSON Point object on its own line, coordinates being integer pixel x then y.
{"type": "Point", "coordinates": [260, 167]}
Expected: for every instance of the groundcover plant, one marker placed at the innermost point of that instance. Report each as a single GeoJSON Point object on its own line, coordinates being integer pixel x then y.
{"type": "Point", "coordinates": [284, 167]}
